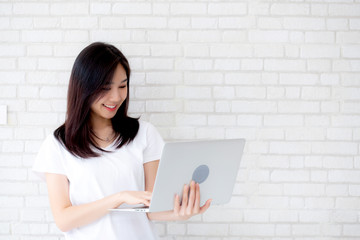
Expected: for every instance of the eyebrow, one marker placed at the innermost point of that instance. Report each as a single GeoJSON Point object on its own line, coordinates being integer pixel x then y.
{"type": "Point", "coordinates": [123, 81]}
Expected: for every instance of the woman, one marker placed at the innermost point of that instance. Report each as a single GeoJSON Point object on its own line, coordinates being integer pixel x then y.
{"type": "Point", "coordinates": [100, 158]}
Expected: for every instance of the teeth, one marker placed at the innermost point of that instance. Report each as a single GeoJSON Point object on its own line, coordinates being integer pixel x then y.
{"type": "Point", "coordinates": [109, 106]}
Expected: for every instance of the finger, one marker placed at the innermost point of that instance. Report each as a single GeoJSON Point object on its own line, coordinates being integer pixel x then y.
{"type": "Point", "coordinates": [176, 204]}
{"type": "Point", "coordinates": [197, 199]}
{"type": "Point", "coordinates": [206, 206]}
{"type": "Point", "coordinates": [190, 205]}
{"type": "Point", "coordinates": [184, 199]}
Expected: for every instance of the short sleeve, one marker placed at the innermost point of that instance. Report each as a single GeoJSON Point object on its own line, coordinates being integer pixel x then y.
{"type": "Point", "coordinates": [49, 158]}
{"type": "Point", "coordinates": [154, 144]}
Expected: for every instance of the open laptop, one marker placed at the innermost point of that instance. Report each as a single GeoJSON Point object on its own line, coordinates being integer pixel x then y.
{"type": "Point", "coordinates": [213, 164]}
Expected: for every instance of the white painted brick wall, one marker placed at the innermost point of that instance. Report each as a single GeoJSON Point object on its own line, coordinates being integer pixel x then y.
{"type": "Point", "coordinates": [285, 75]}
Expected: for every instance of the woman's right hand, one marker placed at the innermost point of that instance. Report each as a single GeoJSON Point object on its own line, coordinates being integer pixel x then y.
{"type": "Point", "coordinates": [135, 197]}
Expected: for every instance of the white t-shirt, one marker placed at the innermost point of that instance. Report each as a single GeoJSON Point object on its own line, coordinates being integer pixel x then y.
{"type": "Point", "coordinates": [95, 178]}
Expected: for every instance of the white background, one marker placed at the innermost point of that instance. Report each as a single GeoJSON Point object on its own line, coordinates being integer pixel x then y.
{"type": "Point", "coordinates": [285, 75]}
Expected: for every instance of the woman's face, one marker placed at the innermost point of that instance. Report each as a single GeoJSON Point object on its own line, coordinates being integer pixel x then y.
{"type": "Point", "coordinates": [114, 95]}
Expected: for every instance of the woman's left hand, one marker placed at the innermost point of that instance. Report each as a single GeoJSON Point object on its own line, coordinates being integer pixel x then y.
{"type": "Point", "coordinates": [190, 204]}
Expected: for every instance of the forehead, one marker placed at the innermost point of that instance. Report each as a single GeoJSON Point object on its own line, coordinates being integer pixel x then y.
{"type": "Point", "coordinates": [119, 75]}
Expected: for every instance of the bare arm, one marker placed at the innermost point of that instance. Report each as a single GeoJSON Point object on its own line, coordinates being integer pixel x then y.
{"type": "Point", "coordinates": [68, 217]}
{"type": "Point", "coordinates": [191, 201]}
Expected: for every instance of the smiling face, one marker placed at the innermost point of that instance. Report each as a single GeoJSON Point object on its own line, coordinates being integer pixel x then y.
{"type": "Point", "coordinates": [114, 94]}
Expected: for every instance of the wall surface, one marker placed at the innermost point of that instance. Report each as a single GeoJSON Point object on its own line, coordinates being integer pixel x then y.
{"type": "Point", "coordinates": [285, 75]}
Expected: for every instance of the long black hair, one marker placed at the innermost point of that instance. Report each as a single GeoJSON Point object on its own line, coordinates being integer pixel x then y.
{"type": "Point", "coordinates": [94, 68]}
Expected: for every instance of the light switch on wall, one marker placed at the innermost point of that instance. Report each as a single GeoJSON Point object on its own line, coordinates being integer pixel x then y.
{"type": "Point", "coordinates": [3, 114]}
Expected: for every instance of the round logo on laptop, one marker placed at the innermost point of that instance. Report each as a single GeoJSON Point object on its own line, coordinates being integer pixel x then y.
{"type": "Point", "coordinates": [201, 173]}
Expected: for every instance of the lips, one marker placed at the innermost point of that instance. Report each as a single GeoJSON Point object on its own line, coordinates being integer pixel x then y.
{"type": "Point", "coordinates": [110, 107]}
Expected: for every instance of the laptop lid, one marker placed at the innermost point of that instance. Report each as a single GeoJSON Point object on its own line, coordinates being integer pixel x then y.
{"type": "Point", "coordinates": [213, 164]}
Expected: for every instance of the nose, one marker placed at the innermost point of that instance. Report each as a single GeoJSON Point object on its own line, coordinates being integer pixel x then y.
{"type": "Point", "coordinates": [116, 95]}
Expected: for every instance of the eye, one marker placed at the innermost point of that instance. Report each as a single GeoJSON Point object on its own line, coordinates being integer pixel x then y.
{"type": "Point", "coordinates": [123, 86]}
{"type": "Point", "coordinates": [106, 89]}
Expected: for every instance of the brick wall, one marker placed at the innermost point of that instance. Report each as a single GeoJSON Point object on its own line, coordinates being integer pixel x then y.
{"type": "Point", "coordinates": [285, 75]}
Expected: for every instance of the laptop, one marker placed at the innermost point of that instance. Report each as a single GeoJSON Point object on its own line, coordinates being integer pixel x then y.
{"type": "Point", "coordinates": [213, 164]}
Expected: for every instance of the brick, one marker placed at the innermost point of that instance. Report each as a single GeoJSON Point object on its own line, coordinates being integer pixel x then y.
{"type": "Point", "coordinates": [161, 8]}
{"type": "Point", "coordinates": [344, 176]}
{"type": "Point", "coordinates": [179, 23]}
{"type": "Point", "coordinates": [290, 147]}
{"type": "Point", "coordinates": [252, 229]}
{"type": "Point", "coordinates": [319, 9]}
{"type": "Point", "coordinates": [207, 229]}
{"type": "Point", "coordinates": [236, 23]}
{"type": "Point", "coordinates": [354, 190]}
{"type": "Point", "coordinates": [227, 8]}
{"type": "Point", "coordinates": [163, 106]}
{"type": "Point", "coordinates": [218, 214]}
{"type": "Point", "coordinates": [319, 37]}
{"type": "Point", "coordinates": [11, 50]}
{"type": "Point", "coordinates": [199, 36]}
{"type": "Point", "coordinates": [351, 51]}
{"type": "Point", "coordinates": [284, 65]}
{"type": "Point", "coordinates": [297, 23]}
{"type": "Point", "coordinates": [182, 133]}
{"type": "Point", "coordinates": [247, 133]}
{"type": "Point", "coordinates": [79, 22]}
{"type": "Point", "coordinates": [253, 106]}
{"type": "Point", "coordinates": [305, 134]}
{"type": "Point", "coordinates": [242, 78]}
{"type": "Point", "coordinates": [111, 22]}
{"type": "Point", "coordinates": [344, 216]}
{"type": "Point", "coordinates": [354, 23]}
{"type": "Point", "coordinates": [221, 120]}
{"type": "Point", "coordinates": [269, 51]}
{"type": "Point", "coordinates": [350, 107]}
{"type": "Point", "coordinates": [298, 107]}
{"type": "Point", "coordinates": [319, 65]}
{"type": "Point", "coordinates": [158, 64]}
{"type": "Point", "coordinates": [168, 78]}
{"type": "Point", "coordinates": [283, 120]}
{"type": "Point", "coordinates": [223, 106]}
{"type": "Point", "coordinates": [100, 8]}
{"type": "Point", "coordinates": [210, 133]}
{"type": "Point", "coordinates": [76, 8]}
{"type": "Point", "coordinates": [234, 36]}
{"type": "Point", "coordinates": [193, 64]}
{"type": "Point", "coordinates": [8, 92]}
{"type": "Point", "coordinates": [193, 92]}
{"type": "Point", "coordinates": [196, 50]}
{"type": "Point", "coordinates": [270, 23]}
{"type": "Point", "coordinates": [190, 120]}
{"type": "Point", "coordinates": [261, 36]}
{"type": "Point", "coordinates": [306, 230]}
{"type": "Point", "coordinates": [348, 10]}
{"type": "Point", "coordinates": [337, 24]}
{"type": "Point", "coordinates": [317, 203]}
{"type": "Point", "coordinates": [339, 133]}
{"type": "Point", "coordinates": [12, 146]}
{"type": "Point", "coordinates": [131, 8]}
{"type": "Point", "coordinates": [223, 92]}
{"type": "Point", "coordinates": [204, 23]}
{"type": "Point", "coordinates": [254, 216]}
{"type": "Point", "coordinates": [154, 92]}
{"type": "Point", "coordinates": [199, 106]}
{"type": "Point", "coordinates": [304, 189]}
{"type": "Point", "coordinates": [317, 51]}
{"type": "Point", "coordinates": [348, 37]}
{"type": "Point", "coordinates": [227, 64]}
{"type": "Point", "coordinates": [145, 22]}
{"type": "Point", "coordinates": [290, 9]}
{"type": "Point", "coordinates": [351, 230]}
{"type": "Point", "coordinates": [288, 216]}
{"type": "Point", "coordinates": [338, 148]}
{"type": "Point", "coordinates": [188, 9]}
{"type": "Point", "coordinates": [290, 176]}
{"type": "Point", "coordinates": [166, 50]}
{"type": "Point", "coordinates": [347, 203]}
{"type": "Point", "coordinates": [29, 133]}
{"type": "Point", "coordinates": [249, 120]}
{"type": "Point", "coordinates": [47, 92]}
{"type": "Point", "coordinates": [31, 8]}
{"type": "Point", "coordinates": [162, 36]}
{"type": "Point", "coordinates": [250, 92]}
{"type": "Point", "coordinates": [230, 50]}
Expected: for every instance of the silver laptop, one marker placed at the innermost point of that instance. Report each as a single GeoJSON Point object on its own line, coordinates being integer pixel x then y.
{"type": "Point", "coordinates": [212, 164]}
